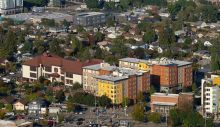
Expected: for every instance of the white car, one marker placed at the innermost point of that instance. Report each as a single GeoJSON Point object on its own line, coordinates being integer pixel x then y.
{"type": "Point", "coordinates": [11, 73]}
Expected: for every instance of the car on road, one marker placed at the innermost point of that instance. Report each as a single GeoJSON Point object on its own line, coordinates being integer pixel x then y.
{"type": "Point", "coordinates": [11, 73]}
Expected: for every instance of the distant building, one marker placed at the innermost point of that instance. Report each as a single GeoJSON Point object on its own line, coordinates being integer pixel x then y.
{"type": "Point", "coordinates": [37, 17]}
{"type": "Point", "coordinates": [11, 6]}
{"type": "Point", "coordinates": [163, 103]}
{"type": "Point", "coordinates": [55, 3]}
{"type": "Point", "coordinates": [37, 107]}
{"type": "Point", "coordinates": [20, 105]}
{"type": "Point", "coordinates": [55, 68]}
{"type": "Point", "coordinates": [90, 19]}
{"type": "Point", "coordinates": [210, 93]}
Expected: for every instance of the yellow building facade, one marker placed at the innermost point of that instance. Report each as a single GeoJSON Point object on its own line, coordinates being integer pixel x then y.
{"type": "Point", "coordinates": [216, 81]}
{"type": "Point", "coordinates": [143, 66]}
{"type": "Point", "coordinates": [112, 90]}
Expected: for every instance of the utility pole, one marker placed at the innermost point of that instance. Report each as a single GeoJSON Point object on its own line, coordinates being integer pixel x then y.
{"type": "Point", "coordinates": [166, 120]}
{"type": "Point", "coordinates": [205, 120]}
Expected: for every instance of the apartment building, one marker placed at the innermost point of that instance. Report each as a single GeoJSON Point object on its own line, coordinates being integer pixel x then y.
{"type": "Point", "coordinates": [123, 83]}
{"type": "Point", "coordinates": [210, 93]}
{"type": "Point", "coordinates": [163, 102]}
{"type": "Point", "coordinates": [10, 6]}
{"type": "Point", "coordinates": [55, 68]}
{"type": "Point", "coordinates": [90, 72]}
{"type": "Point", "coordinates": [90, 18]}
{"type": "Point", "coordinates": [166, 72]}
{"type": "Point", "coordinates": [134, 63]}
{"type": "Point", "coordinates": [115, 82]}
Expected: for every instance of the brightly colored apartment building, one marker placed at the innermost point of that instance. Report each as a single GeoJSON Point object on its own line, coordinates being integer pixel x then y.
{"type": "Point", "coordinates": [165, 72]}
{"type": "Point", "coordinates": [112, 90]}
{"type": "Point", "coordinates": [115, 82]}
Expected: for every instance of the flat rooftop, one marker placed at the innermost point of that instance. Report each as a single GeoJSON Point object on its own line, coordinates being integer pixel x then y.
{"type": "Point", "coordinates": [162, 61]}
{"type": "Point", "coordinates": [97, 67]}
{"type": "Point", "coordinates": [163, 103]}
{"type": "Point", "coordinates": [29, 16]}
{"type": "Point", "coordinates": [112, 78]}
{"type": "Point", "coordinates": [165, 95]}
{"type": "Point", "coordinates": [86, 14]}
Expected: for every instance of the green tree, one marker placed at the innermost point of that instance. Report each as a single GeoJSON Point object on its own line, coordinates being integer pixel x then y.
{"type": "Point", "coordinates": [149, 36]}
{"type": "Point", "coordinates": [60, 96]}
{"type": "Point", "coordinates": [109, 5]}
{"type": "Point", "coordinates": [9, 107]}
{"type": "Point", "coordinates": [104, 101]}
{"type": "Point", "coordinates": [215, 58]}
{"type": "Point", "coordinates": [118, 48]}
{"type": "Point", "coordinates": [167, 37]}
{"type": "Point", "coordinates": [2, 114]}
{"type": "Point", "coordinates": [70, 104]}
{"type": "Point", "coordinates": [54, 47]}
{"type": "Point", "coordinates": [85, 54]}
{"type": "Point", "coordinates": [138, 112]}
{"type": "Point", "coordinates": [99, 36]}
{"type": "Point", "coordinates": [208, 13]}
{"type": "Point", "coordinates": [76, 86]}
{"type": "Point", "coordinates": [31, 3]}
{"type": "Point", "coordinates": [48, 22]}
{"type": "Point", "coordinates": [140, 53]}
{"type": "Point", "coordinates": [125, 4]}
{"type": "Point", "coordinates": [21, 38]}
{"type": "Point", "coordinates": [154, 117]}
{"type": "Point", "coordinates": [92, 3]}
{"type": "Point", "coordinates": [10, 43]}
{"type": "Point", "coordinates": [27, 48]}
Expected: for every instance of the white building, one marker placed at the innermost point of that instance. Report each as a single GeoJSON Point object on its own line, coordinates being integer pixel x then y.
{"type": "Point", "coordinates": [10, 6]}
{"type": "Point", "coordinates": [210, 93]}
{"type": "Point", "coordinates": [55, 68]}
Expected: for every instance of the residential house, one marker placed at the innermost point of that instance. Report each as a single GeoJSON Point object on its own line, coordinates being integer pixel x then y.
{"type": "Point", "coordinates": [3, 61]}
{"type": "Point", "coordinates": [55, 68]}
{"type": "Point", "coordinates": [104, 45]}
{"type": "Point", "coordinates": [20, 105]}
{"type": "Point", "coordinates": [37, 107]}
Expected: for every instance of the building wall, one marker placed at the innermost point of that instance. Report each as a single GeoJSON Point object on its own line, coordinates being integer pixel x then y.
{"type": "Point", "coordinates": [111, 90]}
{"type": "Point", "coordinates": [185, 76]}
{"type": "Point", "coordinates": [216, 81]}
{"type": "Point", "coordinates": [41, 71]}
{"type": "Point", "coordinates": [166, 76]}
{"type": "Point", "coordinates": [164, 99]}
{"type": "Point", "coordinates": [144, 82]}
{"type": "Point", "coordinates": [143, 66]}
{"type": "Point", "coordinates": [89, 82]}
{"type": "Point", "coordinates": [126, 64]}
{"type": "Point", "coordinates": [18, 106]}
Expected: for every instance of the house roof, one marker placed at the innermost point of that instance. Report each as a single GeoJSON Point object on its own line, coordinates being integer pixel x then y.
{"type": "Point", "coordinates": [8, 100]}
{"type": "Point", "coordinates": [70, 66]}
{"type": "Point", "coordinates": [2, 60]}
{"type": "Point", "coordinates": [22, 102]}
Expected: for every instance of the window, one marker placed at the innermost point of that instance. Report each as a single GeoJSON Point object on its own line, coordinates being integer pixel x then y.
{"type": "Point", "coordinates": [33, 75]}
{"type": "Point", "coordinates": [69, 75]}
{"type": "Point", "coordinates": [33, 68]}
{"type": "Point", "coordinates": [47, 76]}
{"type": "Point", "coordinates": [62, 78]}
{"type": "Point", "coordinates": [55, 69]}
{"type": "Point", "coordinates": [48, 69]}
